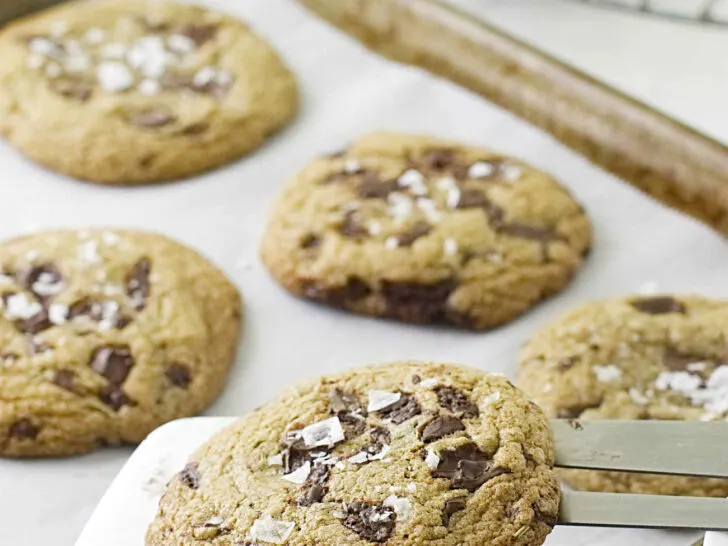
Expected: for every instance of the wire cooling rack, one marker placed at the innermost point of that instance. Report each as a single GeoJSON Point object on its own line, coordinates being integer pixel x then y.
{"type": "Point", "coordinates": [709, 12]}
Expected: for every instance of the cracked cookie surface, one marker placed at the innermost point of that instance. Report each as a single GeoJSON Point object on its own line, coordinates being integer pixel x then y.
{"type": "Point", "coordinates": [105, 335]}
{"type": "Point", "coordinates": [427, 231]}
{"type": "Point", "coordinates": [402, 454]}
{"type": "Point", "coordinates": [643, 357]}
{"type": "Point", "coordinates": [137, 91]}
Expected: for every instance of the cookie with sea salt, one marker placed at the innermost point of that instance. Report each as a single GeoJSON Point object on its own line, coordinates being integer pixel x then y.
{"type": "Point", "coordinates": [403, 454]}
{"type": "Point", "coordinates": [105, 335]}
{"type": "Point", "coordinates": [658, 357]}
{"type": "Point", "coordinates": [427, 231]}
{"type": "Point", "coordinates": [138, 91]}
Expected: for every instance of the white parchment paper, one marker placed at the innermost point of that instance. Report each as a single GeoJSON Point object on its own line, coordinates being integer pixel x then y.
{"type": "Point", "coordinates": [346, 91]}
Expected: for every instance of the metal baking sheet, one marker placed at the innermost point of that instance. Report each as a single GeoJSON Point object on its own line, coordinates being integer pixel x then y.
{"type": "Point", "coordinates": [639, 246]}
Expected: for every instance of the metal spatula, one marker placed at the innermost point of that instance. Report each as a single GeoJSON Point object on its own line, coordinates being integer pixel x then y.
{"type": "Point", "coordinates": [657, 447]}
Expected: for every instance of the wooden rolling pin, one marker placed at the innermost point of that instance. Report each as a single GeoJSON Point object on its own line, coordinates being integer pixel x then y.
{"type": "Point", "coordinates": [666, 159]}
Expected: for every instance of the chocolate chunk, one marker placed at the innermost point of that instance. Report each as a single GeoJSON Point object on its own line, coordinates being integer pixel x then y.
{"type": "Point", "coordinates": [23, 428]}
{"type": "Point", "coordinates": [35, 324]}
{"type": "Point", "coordinates": [451, 506]}
{"type": "Point", "coordinates": [402, 410]}
{"type": "Point", "coordinates": [410, 236]}
{"type": "Point", "coordinates": [310, 241]}
{"type": "Point", "coordinates": [372, 187]}
{"type": "Point", "coordinates": [340, 401]}
{"type": "Point", "coordinates": [350, 226]}
{"type": "Point", "coordinates": [438, 159]}
{"type": "Point", "coordinates": [190, 475]}
{"type": "Point", "coordinates": [137, 283]}
{"type": "Point", "coordinates": [113, 362]}
{"type": "Point", "coordinates": [547, 519]}
{"type": "Point", "coordinates": [71, 88]}
{"type": "Point", "coordinates": [416, 379]}
{"type": "Point", "coordinates": [678, 361]}
{"type": "Point", "coordinates": [457, 402]}
{"type": "Point", "coordinates": [417, 302]}
{"type": "Point", "coordinates": [87, 308]}
{"type": "Point", "coordinates": [441, 161]}
{"type": "Point", "coordinates": [372, 522]}
{"type": "Point", "coordinates": [66, 379]}
{"type": "Point", "coordinates": [319, 474]}
{"type": "Point", "coordinates": [311, 494]}
{"type": "Point", "coordinates": [471, 199]}
{"type": "Point", "coordinates": [42, 280]}
{"type": "Point", "coordinates": [354, 424]}
{"type": "Point", "coordinates": [354, 289]}
{"type": "Point", "coordinates": [525, 231]}
{"type": "Point", "coordinates": [152, 117]}
{"type": "Point", "coordinates": [195, 129]}
{"type": "Point", "coordinates": [114, 397]}
{"type": "Point", "coordinates": [199, 33]}
{"type": "Point", "coordinates": [440, 427]}
{"type": "Point", "coordinates": [294, 457]}
{"type": "Point", "coordinates": [467, 467]}
{"type": "Point", "coordinates": [661, 305]}
{"type": "Point", "coordinates": [178, 375]}
{"type": "Point", "coordinates": [380, 436]}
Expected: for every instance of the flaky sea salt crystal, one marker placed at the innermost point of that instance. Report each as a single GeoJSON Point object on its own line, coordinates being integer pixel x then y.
{"type": "Point", "coordinates": [275, 460]}
{"type": "Point", "coordinates": [682, 382]}
{"type": "Point", "coordinates": [432, 460]}
{"type": "Point", "coordinates": [351, 166]}
{"type": "Point", "coordinates": [382, 399]}
{"type": "Point", "coordinates": [401, 506]}
{"type": "Point", "coordinates": [374, 228]}
{"type": "Point", "coordinates": [637, 397]}
{"type": "Point", "coordinates": [58, 313]}
{"type": "Point", "coordinates": [20, 306]}
{"type": "Point", "coordinates": [43, 46]}
{"type": "Point", "coordinates": [89, 252]}
{"type": "Point", "coordinates": [430, 382]}
{"type": "Point", "coordinates": [324, 433]}
{"type": "Point", "coordinates": [480, 169]}
{"type": "Point", "coordinates": [300, 475]}
{"type": "Point", "coordinates": [450, 246]}
{"type": "Point", "coordinates": [414, 181]}
{"type": "Point", "coordinates": [400, 205]}
{"type": "Point", "coordinates": [149, 87]}
{"type": "Point", "coordinates": [359, 458]}
{"type": "Point", "coordinates": [114, 76]}
{"type": "Point", "coordinates": [511, 173]}
{"type": "Point", "coordinates": [179, 43]}
{"type": "Point", "coordinates": [452, 198]}
{"type": "Point", "coordinates": [492, 398]}
{"type": "Point", "coordinates": [267, 529]}
{"type": "Point", "coordinates": [390, 243]}
{"type": "Point", "coordinates": [607, 374]}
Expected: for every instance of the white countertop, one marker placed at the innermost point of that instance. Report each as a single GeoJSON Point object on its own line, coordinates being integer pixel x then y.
{"type": "Point", "coordinates": [346, 91]}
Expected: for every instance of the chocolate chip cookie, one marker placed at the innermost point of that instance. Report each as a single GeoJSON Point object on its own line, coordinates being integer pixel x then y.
{"type": "Point", "coordinates": [425, 231]}
{"type": "Point", "coordinates": [137, 91]}
{"type": "Point", "coordinates": [657, 357]}
{"type": "Point", "coordinates": [105, 335]}
{"type": "Point", "coordinates": [403, 454]}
